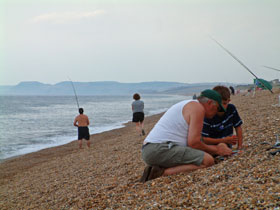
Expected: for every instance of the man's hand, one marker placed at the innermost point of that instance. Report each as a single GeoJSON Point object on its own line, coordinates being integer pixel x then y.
{"type": "Point", "coordinates": [231, 139]}
{"type": "Point", "coordinates": [223, 150]}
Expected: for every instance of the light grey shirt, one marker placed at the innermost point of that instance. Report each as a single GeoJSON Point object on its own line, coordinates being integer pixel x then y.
{"type": "Point", "coordinates": [138, 106]}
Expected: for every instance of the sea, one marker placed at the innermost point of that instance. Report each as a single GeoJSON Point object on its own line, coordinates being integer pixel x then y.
{"type": "Point", "coordinates": [33, 123]}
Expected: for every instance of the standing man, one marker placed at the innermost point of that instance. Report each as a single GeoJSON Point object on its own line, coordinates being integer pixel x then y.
{"type": "Point", "coordinates": [82, 122]}
{"type": "Point", "coordinates": [174, 145]}
{"type": "Point", "coordinates": [138, 114]}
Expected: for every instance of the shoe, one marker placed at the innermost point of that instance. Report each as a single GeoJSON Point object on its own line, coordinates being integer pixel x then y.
{"type": "Point", "coordinates": [218, 159]}
{"type": "Point", "coordinates": [143, 132]}
{"type": "Point", "coordinates": [146, 174]}
{"type": "Point", "coordinates": [155, 172]}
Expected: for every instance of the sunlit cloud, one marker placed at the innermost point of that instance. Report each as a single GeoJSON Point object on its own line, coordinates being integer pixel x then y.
{"type": "Point", "coordinates": [66, 16]}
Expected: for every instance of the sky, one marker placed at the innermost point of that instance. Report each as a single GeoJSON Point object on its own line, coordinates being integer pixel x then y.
{"type": "Point", "coordinates": [50, 41]}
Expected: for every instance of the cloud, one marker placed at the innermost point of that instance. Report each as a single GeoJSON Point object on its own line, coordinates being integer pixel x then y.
{"type": "Point", "coordinates": [65, 17]}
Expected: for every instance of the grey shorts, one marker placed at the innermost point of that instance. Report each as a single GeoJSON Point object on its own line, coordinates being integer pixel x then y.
{"type": "Point", "coordinates": [168, 155]}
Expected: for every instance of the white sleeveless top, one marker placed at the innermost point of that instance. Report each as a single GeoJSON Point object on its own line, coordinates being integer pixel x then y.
{"type": "Point", "coordinates": [171, 126]}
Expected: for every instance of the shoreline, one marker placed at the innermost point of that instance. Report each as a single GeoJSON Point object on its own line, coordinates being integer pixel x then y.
{"type": "Point", "coordinates": [72, 146]}
{"type": "Point", "coordinates": [121, 125]}
{"type": "Point", "coordinates": [23, 141]}
{"type": "Point", "coordinates": [106, 176]}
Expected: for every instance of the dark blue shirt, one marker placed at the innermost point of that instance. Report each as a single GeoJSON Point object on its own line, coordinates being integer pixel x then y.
{"type": "Point", "coordinates": [220, 127]}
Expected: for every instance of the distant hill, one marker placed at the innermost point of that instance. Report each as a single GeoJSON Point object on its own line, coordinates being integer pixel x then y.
{"type": "Point", "coordinates": [192, 89]}
{"type": "Point", "coordinates": [105, 88]}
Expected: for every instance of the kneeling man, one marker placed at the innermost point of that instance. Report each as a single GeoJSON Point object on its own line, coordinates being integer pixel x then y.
{"type": "Point", "coordinates": [174, 145]}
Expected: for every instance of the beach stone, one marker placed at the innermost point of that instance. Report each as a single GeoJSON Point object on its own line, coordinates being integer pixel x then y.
{"type": "Point", "coordinates": [106, 175]}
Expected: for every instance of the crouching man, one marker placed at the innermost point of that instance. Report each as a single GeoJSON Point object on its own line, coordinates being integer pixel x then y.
{"type": "Point", "coordinates": [174, 144]}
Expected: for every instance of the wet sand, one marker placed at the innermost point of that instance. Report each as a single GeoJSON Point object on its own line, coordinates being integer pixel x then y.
{"type": "Point", "coordinates": [106, 175]}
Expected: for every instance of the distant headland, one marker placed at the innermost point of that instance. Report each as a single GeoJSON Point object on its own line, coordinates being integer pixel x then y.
{"type": "Point", "coordinates": [109, 88]}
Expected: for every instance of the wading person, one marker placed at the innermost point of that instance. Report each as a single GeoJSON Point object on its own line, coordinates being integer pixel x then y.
{"type": "Point", "coordinates": [138, 114]}
{"type": "Point", "coordinates": [82, 122]}
{"type": "Point", "coordinates": [174, 144]}
{"type": "Point", "coordinates": [219, 129]}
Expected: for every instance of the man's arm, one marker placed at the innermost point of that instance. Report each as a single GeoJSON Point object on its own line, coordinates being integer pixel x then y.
{"type": "Point", "coordinates": [87, 121]}
{"type": "Point", "coordinates": [75, 122]}
{"type": "Point", "coordinates": [227, 140]}
{"type": "Point", "coordinates": [193, 113]}
{"type": "Point", "coordinates": [239, 136]}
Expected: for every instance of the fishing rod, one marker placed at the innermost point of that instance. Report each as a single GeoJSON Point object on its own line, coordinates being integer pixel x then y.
{"type": "Point", "coordinates": [271, 68]}
{"type": "Point", "coordinates": [74, 92]}
{"type": "Point", "coordinates": [239, 61]}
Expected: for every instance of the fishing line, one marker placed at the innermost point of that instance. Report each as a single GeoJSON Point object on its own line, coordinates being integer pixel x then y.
{"type": "Point", "coordinates": [74, 92]}
{"type": "Point", "coordinates": [239, 61]}
{"type": "Point", "coordinates": [271, 68]}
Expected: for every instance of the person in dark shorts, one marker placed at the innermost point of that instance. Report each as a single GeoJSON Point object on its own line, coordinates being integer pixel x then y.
{"type": "Point", "coordinates": [138, 114]}
{"type": "Point", "coordinates": [82, 122]}
{"type": "Point", "coordinates": [83, 133]}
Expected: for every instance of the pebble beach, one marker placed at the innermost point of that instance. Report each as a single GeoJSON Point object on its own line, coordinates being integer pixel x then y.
{"type": "Point", "coordinates": [106, 176]}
